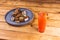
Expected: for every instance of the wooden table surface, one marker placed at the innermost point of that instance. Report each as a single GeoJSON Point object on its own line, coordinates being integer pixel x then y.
{"type": "Point", "coordinates": [27, 32]}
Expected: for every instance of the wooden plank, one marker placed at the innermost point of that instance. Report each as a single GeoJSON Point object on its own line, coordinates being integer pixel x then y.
{"type": "Point", "coordinates": [13, 35]}
{"type": "Point", "coordinates": [54, 31]}
{"type": "Point", "coordinates": [2, 18]}
{"type": "Point", "coordinates": [35, 10]}
{"type": "Point", "coordinates": [26, 28]}
{"type": "Point", "coordinates": [21, 3]}
{"type": "Point", "coordinates": [53, 23]}
{"type": "Point", "coordinates": [54, 16]}
{"type": "Point", "coordinates": [50, 33]}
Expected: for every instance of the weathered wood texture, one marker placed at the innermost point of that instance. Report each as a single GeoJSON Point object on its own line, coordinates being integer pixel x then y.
{"type": "Point", "coordinates": [14, 33]}
{"type": "Point", "coordinates": [38, 1]}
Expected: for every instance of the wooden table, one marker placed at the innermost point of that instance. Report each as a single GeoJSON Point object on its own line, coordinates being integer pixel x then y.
{"type": "Point", "coordinates": [27, 32]}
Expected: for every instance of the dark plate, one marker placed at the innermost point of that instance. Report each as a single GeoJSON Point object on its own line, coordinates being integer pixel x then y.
{"type": "Point", "coordinates": [9, 15]}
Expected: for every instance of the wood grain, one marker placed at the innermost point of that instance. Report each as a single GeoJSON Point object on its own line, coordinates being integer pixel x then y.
{"type": "Point", "coordinates": [11, 35]}
{"type": "Point", "coordinates": [27, 32]}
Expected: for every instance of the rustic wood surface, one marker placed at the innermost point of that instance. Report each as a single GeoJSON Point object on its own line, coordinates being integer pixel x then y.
{"type": "Point", "coordinates": [27, 32]}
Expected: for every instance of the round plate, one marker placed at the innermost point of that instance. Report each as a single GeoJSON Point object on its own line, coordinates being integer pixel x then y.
{"type": "Point", "coordinates": [9, 15]}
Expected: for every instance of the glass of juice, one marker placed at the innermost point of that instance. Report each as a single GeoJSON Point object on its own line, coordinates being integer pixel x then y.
{"type": "Point", "coordinates": [42, 21]}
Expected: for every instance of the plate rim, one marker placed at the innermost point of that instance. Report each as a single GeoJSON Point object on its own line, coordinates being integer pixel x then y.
{"type": "Point", "coordinates": [16, 24]}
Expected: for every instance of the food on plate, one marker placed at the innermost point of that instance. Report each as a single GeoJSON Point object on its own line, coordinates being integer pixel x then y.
{"type": "Point", "coordinates": [19, 16]}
